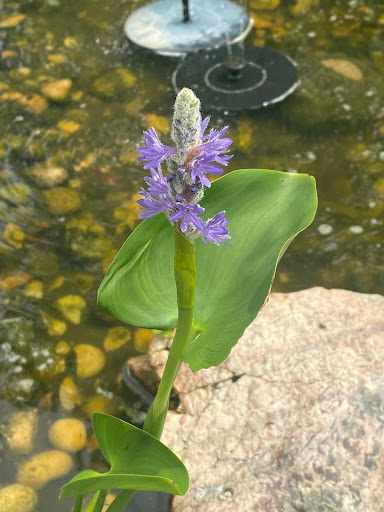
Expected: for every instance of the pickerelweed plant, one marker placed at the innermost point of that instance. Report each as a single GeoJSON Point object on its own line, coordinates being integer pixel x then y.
{"type": "Point", "coordinates": [174, 271]}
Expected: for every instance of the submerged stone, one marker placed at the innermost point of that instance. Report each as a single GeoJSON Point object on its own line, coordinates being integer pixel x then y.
{"type": "Point", "coordinates": [67, 126]}
{"type": "Point", "coordinates": [62, 200]}
{"type": "Point", "coordinates": [18, 193]}
{"type": "Point", "coordinates": [86, 238]}
{"type": "Point", "coordinates": [264, 5]}
{"type": "Point", "coordinates": [115, 83]}
{"type": "Point", "coordinates": [18, 498]}
{"type": "Point", "coordinates": [344, 67]}
{"type": "Point", "coordinates": [57, 90]}
{"type": "Point", "coordinates": [55, 327]}
{"type": "Point", "coordinates": [12, 21]}
{"type": "Point", "coordinates": [40, 469]}
{"type": "Point", "coordinates": [90, 360]}
{"type": "Point", "coordinates": [69, 394]}
{"type": "Point", "coordinates": [143, 338]}
{"type": "Point", "coordinates": [71, 306]}
{"type": "Point", "coordinates": [14, 235]}
{"type": "Point", "coordinates": [68, 434]}
{"type": "Point", "coordinates": [116, 338]}
{"type": "Point", "coordinates": [14, 281]}
{"type": "Point", "coordinates": [47, 174]}
{"type": "Point", "coordinates": [20, 431]}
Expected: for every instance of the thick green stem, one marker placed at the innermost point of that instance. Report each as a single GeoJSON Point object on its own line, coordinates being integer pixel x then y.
{"type": "Point", "coordinates": [185, 277]}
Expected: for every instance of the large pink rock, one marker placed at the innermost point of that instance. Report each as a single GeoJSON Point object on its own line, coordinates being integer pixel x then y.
{"type": "Point", "coordinates": [293, 420]}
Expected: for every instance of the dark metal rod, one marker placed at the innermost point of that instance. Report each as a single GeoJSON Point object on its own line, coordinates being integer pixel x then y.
{"type": "Point", "coordinates": [186, 16]}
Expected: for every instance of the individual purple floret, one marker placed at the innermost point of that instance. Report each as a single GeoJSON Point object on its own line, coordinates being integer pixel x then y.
{"type": "Point", "coordinates": [215, 229]}
{"type": "Point", "coordinates": [150, 206]}
{"type": "Point", "coordinates": [188, 213]}
{"type": "Point", "coordinates": [196, 154]}
{"type": "Point", "coordinates": [157, 183]}
{"type": "Point", "coordinates": [154, 150]}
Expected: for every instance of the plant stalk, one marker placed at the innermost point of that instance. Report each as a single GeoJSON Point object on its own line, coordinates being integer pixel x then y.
{"type": "Point", "coordinates": [185, 277]}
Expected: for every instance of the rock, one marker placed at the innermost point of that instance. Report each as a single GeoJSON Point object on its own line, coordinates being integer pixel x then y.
{"type": "Point", "coordinates": [40, 469]}
{"type": "Point", "coordinates": [116, 338]}
{"type": "Point", "coordinates": [20, 431]}
{"type": "Point", "coordinates": [115, 83]}
{"type": "Point", "coordinates": [62, 200]}
{"type": "Point", "coordinates": [18, 193]}
{"type": "Point", "coordinates": [71, 306]}
{"type": "Point", "coordinates": [293, 419]}
{"type": "Point", "coordinates": [302, 6]}
{"type": "Point", "coordinates": [55, 327]}
{"type": "Point", "coordinates": [34, 289]}
{"type": "Point", "coordinates": [43, 263]}
{"type": "Point", "coordinates": [12, 21]}
{"type": "Point", "coordinates": [143, 338]}
{"type": "Point", "coordinates": [67, 126]}
{"type": "Point", "coordinates": [86, 238]}
{"type": "Point", "coordinates": [62, 348]}
{"type": "Point", "coordinates": [17, 498]}
{"type": "Point", "coordinates": [160, 123]}
{"type": "Point", "coordinates": [334, 92]}
{"type": "Point", "coordinates": [14, 281]}
{"type": "Point", "coordinates": [68, 434]}
{"type": "Point", "coordinates": [19, 74]}
{"type": "Point", "coordinates": [344, 67]}
{"type": "Point", "coordinates": [57, 90]}
{"type": "Point", "coordinates": [34, 104]}
{"type": "Point", "coordinates": [57, 58]}
{"type": "Point", "coordinates": [90, 360]}
{"type": "Point", "coordinates": [47, 174]}
{"type": "Point", "coordinates": [69, 394]}
{"type": "Point", "coordinates": [13, 235]}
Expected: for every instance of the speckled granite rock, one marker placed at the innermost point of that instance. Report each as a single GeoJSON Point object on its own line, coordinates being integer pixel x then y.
{"type": "Point", "coordinates": [293, 420]}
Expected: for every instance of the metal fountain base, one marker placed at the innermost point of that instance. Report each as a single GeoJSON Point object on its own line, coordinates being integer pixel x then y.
{"type": "Point", "coordinates": [159, 27]}
{"type": "Point", "coordinates": [263, 77]}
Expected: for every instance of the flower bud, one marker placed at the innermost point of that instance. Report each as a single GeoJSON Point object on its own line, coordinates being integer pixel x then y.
{"type": "Point", "coordinates": [186, 128]}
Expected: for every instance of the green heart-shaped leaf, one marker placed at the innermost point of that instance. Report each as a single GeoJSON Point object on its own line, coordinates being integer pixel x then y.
{"type": "Point", "coordinates": [138, 461]}
{"type": "Point", "coordinates": [266, 210]}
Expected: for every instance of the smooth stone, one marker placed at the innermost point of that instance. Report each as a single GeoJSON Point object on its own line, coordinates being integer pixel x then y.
{"type": "Point", "coordinates": [115, 83]}
{"type": "Point", "coordinates": [40, 469]}
{"type": "Point", "coordinates": [17, 498]}
{"type": "Point", "coordinates": [264, 5]}
{"type": "Point", "coordinates": [18, 193]}
{"type": "Point", "coordinates": [344, 67]}
{"type": "Point", "coordinates": [12, 21]}
{"type": "Point", "coordinates": [14, 235]}
{"type": "Point", "coordinates": [90, 360]}
{"type": "Point", "coordinates": [68, 434]}
{"type": "Point", "coordinates": [55, 327]}
{"type": "Point", "coordinates": [34, 104]}
{"type": "Point", "coordinates": [297, 407]}
{"type": "Point", "coordinates": [69, 394]}
{"type": "Point", "coordinates": [14, 281]}
{"type": "Point", "coordinates": [86, 238]}
{"type": "Point", "coordinates": [143, 337]}
{"type": "Point", "coordinates": [68, 126]}
{"type": "Point", "coordinates": [47, 174]}
{"type": "Point", "coordinates": [160, 123]}
{"type": "Point", "coordinates": [62, 200]}
{"type": "Point", "coordinates": [71, 306]}
{"type": "Point", "coordinates": [34, 289]}
{"type": "Point", "coordinates": [58, 90]}
{"type": "Point", "coordinates": [116, 338]}
{"type": "Point", "coordinates": [20, 431]}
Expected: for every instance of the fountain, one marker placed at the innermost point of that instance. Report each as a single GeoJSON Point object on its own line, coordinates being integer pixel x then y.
{"type": "Point", "coordinates": [237, 77]}
{"type": "Point", "coordinates": [173, 28]}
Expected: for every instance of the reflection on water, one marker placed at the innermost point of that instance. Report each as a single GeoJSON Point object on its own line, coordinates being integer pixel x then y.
{"type": "Point", "coordinates": [74, 99]}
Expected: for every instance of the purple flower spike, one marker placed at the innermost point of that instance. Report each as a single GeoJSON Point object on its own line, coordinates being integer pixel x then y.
{"type": "Point", "coordinates": [189, 215]}
{"type": "Point", "coordinates": [154, 151]}
{"type": "Point", "coordinates": [157, 184]}
{"type": "Point", "coordinates": [215, 143]}
{"type": "Point", "coordinates": [215, 229]}
{"type": "Point", "coordinates": [150, 206]}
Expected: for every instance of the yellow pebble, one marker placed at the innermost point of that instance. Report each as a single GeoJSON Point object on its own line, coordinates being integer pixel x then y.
{"type": "Point", "coordinates": [57, 58]}
{"type": "Point", "coordinates": [34, 289]}
{"type": "Point", "coordinates": [143, 338]}
{"type": "Point", "coordinates": [116, 338]}
{"type": "Point", "coordinates": [68, 434]}
{"type": "Point", "coordinates": [12, 21]}
{"type": "Point", "coordinates": [55, 327]}
{"type": "Point", "coordinates": [90, 360]}
{"type": "Point", "coordinates": [68, 127]}
{"type": "Point", "coordinates": [13, 235]}
{"type": "Point", "coordinates": [62, 348]}
{"type": "Point", "coordinates": [69, 394]}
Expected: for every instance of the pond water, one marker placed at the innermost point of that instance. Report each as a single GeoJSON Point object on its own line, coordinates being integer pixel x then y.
{"type": "Point", "coordinates": [69, 183]}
